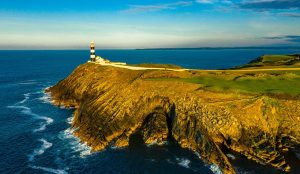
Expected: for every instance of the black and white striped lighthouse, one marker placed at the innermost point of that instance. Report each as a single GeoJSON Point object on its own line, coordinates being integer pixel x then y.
{"type": "Point", "coordinates": [92, 53]}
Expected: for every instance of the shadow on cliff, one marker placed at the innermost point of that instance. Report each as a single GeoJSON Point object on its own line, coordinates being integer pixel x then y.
{"type": "Point", "coordinates": [170, 155]}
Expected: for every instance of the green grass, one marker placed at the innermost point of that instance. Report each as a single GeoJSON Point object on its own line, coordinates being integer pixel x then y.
{"type": "Point", "coordinates": [275, 85]}
{"type": "Point", "coordinates": [276, 58]}
{"type": "Point", "coordinates": [271, 82]}
{"type": "Point", "coordinates": [150, 65]}
{"type": "Point", "coordinates": [273, 60]}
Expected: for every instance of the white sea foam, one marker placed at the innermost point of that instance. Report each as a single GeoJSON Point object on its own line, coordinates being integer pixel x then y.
{"type": "Point", "coordinates": [44, 125]}
{"type": "Point", "coordinates": [27, 111]}
{"type": "Point", "coordinates": [38, 92]}
{"type": "Point", "coordinates": [155, 143]}
{"type": "Point", "coordinates": [198, 155]}
{"type": "Point", "coordinates": [48, 120]}
{"type": "Point", "coordinates": [77, 146]}
{"type": "Point", "coordinates": [27, 83]}
{"type": "Point", "coordinates": [215, 169]}
{"type": "Point", "coordinates": [24, 109]}
{"type": "Point", "coordinates": [26, 97]}
{"type": "Point", "coordinates": [183, 162]}
{"type": "Point", "coordinates": [46, 98]}
{"type": "Point", "coordinates": [70, 120]}
{"type": "Point", "coordinates": [45, 144]}
{"type": "Point", "coordinates": [82, 148]}
{"type": "Point", "coordinates": [39, 151]}
{"type": "Point", "coordinates": [41, 128]}
{"type": "Point", "coordinates": [231, 156]}
{"type": "Point", "coordinates": [152, 143]}
{"type": "Point", "coordinates": [50, 170]}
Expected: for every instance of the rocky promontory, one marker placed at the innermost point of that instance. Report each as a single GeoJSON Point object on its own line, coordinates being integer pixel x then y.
{"type": "Point", "coordinates": [112, 104]}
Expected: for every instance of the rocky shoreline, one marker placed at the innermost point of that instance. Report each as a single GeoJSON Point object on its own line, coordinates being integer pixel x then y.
{"type": "Point", "coordinates": [112, 104]}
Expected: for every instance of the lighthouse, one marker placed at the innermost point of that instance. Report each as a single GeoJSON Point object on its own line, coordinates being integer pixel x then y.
{"type": "Point", "coordinates": [92, 53]}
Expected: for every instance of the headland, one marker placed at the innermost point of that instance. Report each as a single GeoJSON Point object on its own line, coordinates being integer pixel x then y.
{"type": "Point", "coordinates": [252, 110]}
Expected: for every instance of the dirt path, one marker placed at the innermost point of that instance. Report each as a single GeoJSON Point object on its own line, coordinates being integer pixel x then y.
{"type": "Point", "coordinates": [179, 70]}
{"type": "Point", "coordinates": [263, 69]}
{"type": "Point", "coordinates": [139, 68]}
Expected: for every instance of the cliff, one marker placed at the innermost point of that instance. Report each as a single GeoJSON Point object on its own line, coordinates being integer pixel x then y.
{"type": "Point", "coordinates": [111, 104]}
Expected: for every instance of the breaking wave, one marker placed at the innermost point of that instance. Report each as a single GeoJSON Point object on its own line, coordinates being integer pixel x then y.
{"type": "Point", "coordinates": [45, 144]}
{"type": "Point", "coordinates": [26, 97]}
{"type": "Point", "coordinates": [28, 82]}
{"type": "Point", "coordinates": [43, 126]}
{"type": "Point", "coordinates": [231, 156]}
{"type": "Point", "coordinates": [70, 120]}
{"type": "Point", "coordinates": [39, 151]}
{"type": "Point", "coordinates": [27, 111]}
{"type": "Point", "coordinates": [215, 169]}
{"type": "Point", "coordinates": [50, 170]}
{"type": "Point", "coordinates": [82, 148]}
{"type": "Point", "coordinates": [46, 98]}
{"type": "Point", "coordinates": [155, 143]}
{"type": "Point", "coordinates": [183, 162]}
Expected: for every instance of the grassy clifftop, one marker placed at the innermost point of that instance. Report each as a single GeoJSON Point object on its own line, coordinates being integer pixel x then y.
{"type": "Point", "coordinates": [274, 60]}
{"type": "Point", "coordinates": [274, 83]}
{"type": "Point", "coordinates": [151, 65]}
{"type": "Point", "coordinates": [268, 75]}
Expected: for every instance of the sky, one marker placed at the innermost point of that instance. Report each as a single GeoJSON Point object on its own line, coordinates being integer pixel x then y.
{"type": "Point", "coordinates": [127, 24]}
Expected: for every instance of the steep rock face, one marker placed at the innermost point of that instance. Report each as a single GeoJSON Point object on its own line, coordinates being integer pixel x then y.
{"type": "Point", "coordinates": [112, 104]}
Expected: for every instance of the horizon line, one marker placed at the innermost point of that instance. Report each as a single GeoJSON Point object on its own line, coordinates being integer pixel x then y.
{"type": "Point", "coordinates": [162, 48]}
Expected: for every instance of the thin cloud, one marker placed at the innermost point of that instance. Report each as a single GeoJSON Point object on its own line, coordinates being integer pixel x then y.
{"type": "Point", "coordinates": [214, 2]}
{"type": "Point", "coordinates": [265, 5]}
{"type": "Point", "coordinates": [156, 7]}
{"type": "Point", "coordinates": [286, 8]}
{"type": "Point", "coordinates": [290, 14]}
{"type": "Point", "coordinates": [205, 1]}
{"type": "Point", "coordinates": [289, 38]}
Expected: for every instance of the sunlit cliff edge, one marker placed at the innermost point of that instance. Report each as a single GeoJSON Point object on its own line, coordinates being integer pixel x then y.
{"type": "Point", "coordinates": [112, 103]}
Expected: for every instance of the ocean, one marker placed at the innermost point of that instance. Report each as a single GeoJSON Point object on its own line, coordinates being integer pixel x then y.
{"type": "Point", "coordinates": [36, 137]}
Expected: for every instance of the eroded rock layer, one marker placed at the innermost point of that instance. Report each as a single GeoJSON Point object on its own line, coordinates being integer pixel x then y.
{"type": "Point", "coordinates": [112, 104]}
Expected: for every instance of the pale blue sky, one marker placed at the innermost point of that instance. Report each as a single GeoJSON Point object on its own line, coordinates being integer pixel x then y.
{"type": "Point", "coordinates": [72, 24]}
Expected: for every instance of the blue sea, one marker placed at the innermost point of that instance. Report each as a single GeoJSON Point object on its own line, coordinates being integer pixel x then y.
{"type": "Point", "coordinates": [36, 137]}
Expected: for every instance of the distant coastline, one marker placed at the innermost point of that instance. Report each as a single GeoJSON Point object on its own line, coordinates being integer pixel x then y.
{"type": "Point", "coordinates": [193, 48]}
{"type": "Point", "coordinates": [220, 48]}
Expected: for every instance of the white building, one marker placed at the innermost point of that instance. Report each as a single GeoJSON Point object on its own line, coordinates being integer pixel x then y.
{"type": "Point", "coordinates": [98, 59]}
